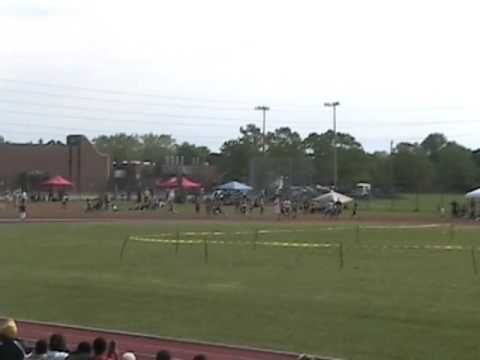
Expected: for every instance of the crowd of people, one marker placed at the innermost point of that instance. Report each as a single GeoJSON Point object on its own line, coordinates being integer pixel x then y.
{"type": "Point", "coordinates": [55, 348]}
{"type": "Point", "coordinates": [211, 204]}
{"type": "Point", "coordinates": [465, 210]}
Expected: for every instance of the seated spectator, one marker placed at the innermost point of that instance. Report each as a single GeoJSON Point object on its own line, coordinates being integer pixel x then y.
{"type": "Point", "coordinates": [199, 357]}
{"type": "Point", "coordinates": [129, 356]}
{"type": "Point", "coordinates": [10, 347]}
{"type": "Point", "coordinates": [57, 348]}
{"type": "Point", "coordinates": [100, 350]}
{"type": "Point", "coordinates": [83, 352]}
{"type": "Point", "coordinates": [163, 355]}
{"type": "Point", "coordinates": [40, 351]}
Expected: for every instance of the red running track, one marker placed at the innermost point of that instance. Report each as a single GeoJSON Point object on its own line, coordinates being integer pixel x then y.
{"type": "Point", "coordinates": [146, 346]}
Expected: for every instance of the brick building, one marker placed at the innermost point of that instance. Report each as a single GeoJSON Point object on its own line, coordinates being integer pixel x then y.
{"type": "Point", "coordinates": [77, 160]}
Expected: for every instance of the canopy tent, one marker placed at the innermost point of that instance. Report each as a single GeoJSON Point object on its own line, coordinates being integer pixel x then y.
{"type": "Point", "coordinates": [235, 186]}
{"type": "Point", "coordinates": [57, 182]}
{"type": "Point", "coordinates": [173, 183]}
{"type": "Point", "coordinates": [332, 196]}
{"type": "Point", "coordinates": [475, 194]}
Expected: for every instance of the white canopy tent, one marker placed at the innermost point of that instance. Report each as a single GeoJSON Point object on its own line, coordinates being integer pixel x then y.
{"type": "Point", "coordinates": [332, 196]}
{"type": "Point", "coordinates": [475, 194]}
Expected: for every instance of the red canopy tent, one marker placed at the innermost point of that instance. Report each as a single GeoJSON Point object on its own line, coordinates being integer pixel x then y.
{"type": "Point", "coordinates": [58, 182]}
{"type": "Point", "coordinates": [172, 183]}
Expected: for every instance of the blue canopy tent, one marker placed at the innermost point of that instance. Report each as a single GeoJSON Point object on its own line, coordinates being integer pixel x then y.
{"type": "Point", "coordinates": [235, 186]}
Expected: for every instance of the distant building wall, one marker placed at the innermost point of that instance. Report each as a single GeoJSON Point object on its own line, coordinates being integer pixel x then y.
{"type": "Point", "coordinates": [78, 160]}
{"type": "Point", "coordinates": [88, 168]}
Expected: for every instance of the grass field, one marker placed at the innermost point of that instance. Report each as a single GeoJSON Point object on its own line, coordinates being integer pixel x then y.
{"type": "Point", "coordinates": [386, 301]}
{"type": "Point", "coordinates": [412, 203]}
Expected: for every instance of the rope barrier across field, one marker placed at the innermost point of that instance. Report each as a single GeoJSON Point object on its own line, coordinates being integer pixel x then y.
{"type": "Point", "coordinates": [297, 244]}
{"type": "Point", "coordinates": [289, 231]}
{"type": "Point", "coordinates": [231, 238]}
{"type": "Point", "coordinates": [221, 242]}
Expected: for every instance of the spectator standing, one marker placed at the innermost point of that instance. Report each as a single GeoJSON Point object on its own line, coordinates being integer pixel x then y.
{"type": "Point", "coordinates": [57, 348]}
{"type": "Point", "coordinates": [472, 209]}
{"type": "Point", "coordinates": [354, 208]}
{"type": "Point", "coordinates": [294, 208]}
{"type": "Point", "coordinates": [338, 207]}
{"type": "Point", "coordinates": [40, 351]}
{"type": "Point", "coordinates": [197, 204]}
{"type": "Point", "coordinates": [454, 208]}
{"type": "Point", "coordinates": [171, 201]}
{"type": "Point", "coordinates": [22, 209]}
{"type": "Point", "coordinates": [277, 208]}
{"type": "Point", "coordinates": [106, 201]}
{"type": "Point", "coordinates": [208, 205]}
{"type": "Point", "coordinates": [250, 205]}
{"type": "Point", "coordinates": [286, 207]}
{"type": "Point", "coordinates": [244, 205]}
{"type": "Point", "coordinates": [83, 352]}
{"type": "Point", "coordinates": [10, 347]}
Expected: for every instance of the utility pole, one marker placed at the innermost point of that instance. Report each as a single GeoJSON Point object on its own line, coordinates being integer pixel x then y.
{"type": "Point", "coordinates": [334, 105]}
{"type": "Point", "coordinates": [264, 109]}
{"type": "Point", "coordinates": [392, 176]}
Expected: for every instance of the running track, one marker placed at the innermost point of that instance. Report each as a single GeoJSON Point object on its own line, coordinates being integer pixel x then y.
{"type": "Point", "coordinates": [146, 346]}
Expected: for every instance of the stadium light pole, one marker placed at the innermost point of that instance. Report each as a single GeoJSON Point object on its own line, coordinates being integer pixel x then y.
{"type": "Point", "coordinates": [334, 105]}
{"type": "Point", "coordinates": [264, 109]}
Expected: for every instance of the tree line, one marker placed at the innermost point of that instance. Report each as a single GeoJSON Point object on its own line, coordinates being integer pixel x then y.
{"type": "Point", "coordinates": [434, 164]}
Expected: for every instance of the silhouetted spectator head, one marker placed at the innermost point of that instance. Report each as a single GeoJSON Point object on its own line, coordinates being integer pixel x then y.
{"type": "Point", "coordinates": [8, 329]}
{"type": "Point", "coordinates": [57, 343]}
{"type": "Point", "coordinates": [199, 357]}
{"type": "Point", "coordinates": [84, 348]}
{"type": "Point", "coordinates": [41, 347]}
{"type": "Point", "coordinates": [129, 356]}
{"type": "Point", "coordinates": [163, 355]}
{"type": "Point", "coordinates": [99, 346]}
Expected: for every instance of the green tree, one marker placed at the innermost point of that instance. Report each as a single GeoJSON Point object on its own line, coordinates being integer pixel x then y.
{"type": "Point", "coordinates": [191, 152]}
{"type": "Point", "coordinates": [155, 147]}
{"type": "Point", "coordinates": [351, 158]}
{"type": "Point", "coordinates": [252, 135]}
{"type": "Point", "coordinates": [380, 170]}
{"type": "Point", "coordinates": [123, 146]}
{"type": "Point", "coordinates": [412, 168]}
{"type": "Point", "coordinates": [285, 143]}
{"type": "Point", "coordinates": [235, 155]}
{"type": "Point", "coordinates": [476, 157]}
{"type": "Point", "coordinates": [234, 159]}
{"type": "Point", "coordinates": [120, 146]}
{"type": "Point", "coordinates": [456, 168]}
{"type": "Point", "coordinates": [433, 143]}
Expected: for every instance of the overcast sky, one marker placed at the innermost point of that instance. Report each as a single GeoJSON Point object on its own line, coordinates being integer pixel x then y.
{"type": "Point", "coordinates": [196, 69]}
